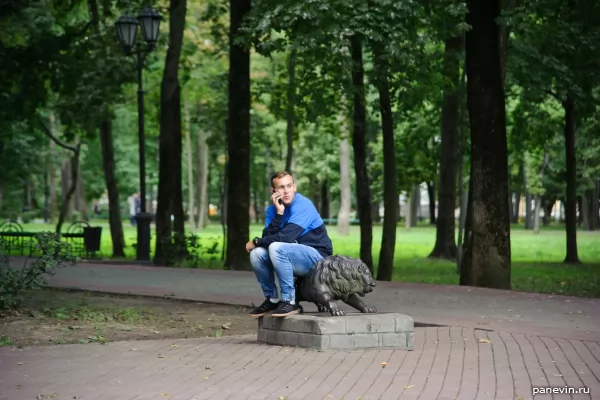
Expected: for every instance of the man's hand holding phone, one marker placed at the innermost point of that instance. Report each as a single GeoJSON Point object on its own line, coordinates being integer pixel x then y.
{"type": "Point", "coordinates": [278, 202]}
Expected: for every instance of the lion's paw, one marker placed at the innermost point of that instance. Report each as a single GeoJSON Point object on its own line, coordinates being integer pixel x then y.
{"type": "Point", "coordinates": [369, 310]}
{"type": "Point", "coordinates": [338, 313]}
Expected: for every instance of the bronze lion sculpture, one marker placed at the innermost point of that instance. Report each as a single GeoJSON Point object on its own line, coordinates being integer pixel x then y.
{"type": "Point", "coordinates": [336, 278]}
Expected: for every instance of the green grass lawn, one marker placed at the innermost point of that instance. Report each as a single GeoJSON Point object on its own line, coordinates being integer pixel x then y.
{"type": "Point", "coordinates": [536, 259]}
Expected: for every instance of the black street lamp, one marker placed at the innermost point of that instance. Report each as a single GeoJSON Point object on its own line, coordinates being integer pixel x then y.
{"type": "Point", "coordinates": [127, 27]}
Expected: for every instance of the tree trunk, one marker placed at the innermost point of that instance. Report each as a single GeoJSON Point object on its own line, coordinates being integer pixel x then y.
{"type": "Point", "coordinates": [595, 205]}
{"type": "Point", "coordinates": [510, 204]}
{"type": "Point", "coordinates": [108, 164]}
{"type": "Point", "coordinates": [238, 139]}
{"type": "Point", "coordinates": [445, 240]}
{"type": "Point", "coordinates": [585, 211]}
{"type": "Point", "coordinates": [548, 206]}
{"type": "Point", "coordinates": [343, 223]}
{"type": "Point", "coordinates": [256, 204]}
{"type": "Point", "coordinates": [464, 203]}
{"type": "Point", "coordinates": [190, 165]}
{"type": "Point", "coordinates": [52, 196]}
{"type": "Point", "coordinates": [390, 192]}
{"type": "Point", "coordinates": [223, 210]}
{"type": "Point", "coordinates": [571, 195]}
{"type": "Point", "coordinates": [528, 199]}
{"type": "Point", "coordinates": [431, 195]}
{"type": "Point", "coordinates": [538, 197]}
{"type": "Point", "coordinates": [71, 172]}
{"type": "Point", "coordinates": [580, 214]}
{"type": "Point", "coordinates": [202, 177]}
{"type": "Point", "coordinates": [325, 208]}
{"type": "Point", "coordinates": [516, 208]}
{"type": "Point", "coordinates": [462, 148]}
{"type": "Point", "coordinates": [171, 248]}
{"type": "Point", "coordinates": [415, 205]}
{"type": "Point", "coordinates": [407, 210]}
{"type": "Point", "coordinates": [536, 215]}
{"type": "Point", "coordinates": [291, 102]}
{"type": "Point", "coordinates": [359, 145]}
{"type": "Point", "coordinates": [110, 178]}
{"type": "Point", "coordinates": [80, 200]}
{"type": "Point", "coordinates": [486, 255]}
{"type": "Point", "coordinates": [375, 212]}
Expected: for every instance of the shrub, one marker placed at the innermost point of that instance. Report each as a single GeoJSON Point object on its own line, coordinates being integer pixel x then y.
{"type": "Point", "coordinates": [15, 281]}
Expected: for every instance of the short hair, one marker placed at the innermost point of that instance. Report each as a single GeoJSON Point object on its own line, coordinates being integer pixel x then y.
{"type": "Point", "coordinates": [279, 175]}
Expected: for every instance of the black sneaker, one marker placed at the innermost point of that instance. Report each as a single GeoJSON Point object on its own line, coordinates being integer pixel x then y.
{"type": "Point", "coordinates": [285, 309]}
{"type": "Point", "coordinates": [266, 307]}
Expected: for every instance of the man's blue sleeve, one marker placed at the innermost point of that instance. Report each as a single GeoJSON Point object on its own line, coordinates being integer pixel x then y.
{"type": "Point", "coordinates": [295, 227]}
{"type": "Point", "coordinates": [272, 222]}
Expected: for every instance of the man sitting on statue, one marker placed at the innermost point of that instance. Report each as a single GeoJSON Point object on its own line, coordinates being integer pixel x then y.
{"type": "Point", "coordinates": [293, 240]}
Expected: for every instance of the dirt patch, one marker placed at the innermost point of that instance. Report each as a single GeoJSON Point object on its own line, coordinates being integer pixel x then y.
{"type": "Point", "coordinates": [52, 316]}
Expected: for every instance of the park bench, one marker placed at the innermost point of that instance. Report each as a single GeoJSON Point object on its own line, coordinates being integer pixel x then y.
{"type": "Point", "coordinates": [84, 239]}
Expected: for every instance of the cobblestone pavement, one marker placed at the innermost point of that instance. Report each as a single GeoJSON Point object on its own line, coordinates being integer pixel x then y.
{"type": "Point", "coordinates": [447, 363]}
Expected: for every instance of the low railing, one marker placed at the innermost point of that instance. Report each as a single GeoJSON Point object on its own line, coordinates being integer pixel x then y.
{"type": "Point", "coordinates": [84, 239]}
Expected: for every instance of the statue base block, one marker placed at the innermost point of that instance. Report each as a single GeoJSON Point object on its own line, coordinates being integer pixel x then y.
{"type": "Point", "coordinates": [353, 331]}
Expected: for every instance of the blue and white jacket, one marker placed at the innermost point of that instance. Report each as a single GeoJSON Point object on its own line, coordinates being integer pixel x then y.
{"type": "Point", "coordinates": [300, 223]}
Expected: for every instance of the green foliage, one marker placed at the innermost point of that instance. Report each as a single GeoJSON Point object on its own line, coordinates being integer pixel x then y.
{"type": "Point", "coordinates": [14, 281]}
{"type": "Point", "coordinates": [555, 48]}
{"type": "Point", "coordinates": [194, 251]}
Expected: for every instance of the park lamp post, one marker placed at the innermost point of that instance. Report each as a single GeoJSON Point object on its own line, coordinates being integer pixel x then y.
{"type": "Point", "coordinates": [127, 27]}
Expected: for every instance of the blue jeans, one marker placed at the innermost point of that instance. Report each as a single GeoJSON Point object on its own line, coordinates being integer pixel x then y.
{"type": "Point", "coordinates": [284, 260]}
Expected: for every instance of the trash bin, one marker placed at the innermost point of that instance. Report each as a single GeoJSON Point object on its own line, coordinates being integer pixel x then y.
{"type": "Point", "coordinates": [91, 238]}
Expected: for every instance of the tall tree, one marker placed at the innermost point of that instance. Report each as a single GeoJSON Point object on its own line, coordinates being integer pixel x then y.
{"type": "Point", "coordinates": [238, 142]}
{"type": "Point", "coordinates": [445, 243]}
{"type": "Point", "coordinates": [170, 193]}
{"type": "Point", "coordinates": [108, 154]}
{"type": "Point", "coordinates": [572, 256]}
{"type": "Point", "coordinates": [486, 252]}
{"type": "Point", "coordinates": [110, 177]}
{"type": "Point", "coordinates": [343, 222]}
{"type": "Point", "coordinates": [390, 192]}
{"type": "Point", "coordinates": [359, 145]}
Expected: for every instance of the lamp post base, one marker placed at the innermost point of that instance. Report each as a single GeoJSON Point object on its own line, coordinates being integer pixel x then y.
{"type": "Point", "coordinates": [143, 236]}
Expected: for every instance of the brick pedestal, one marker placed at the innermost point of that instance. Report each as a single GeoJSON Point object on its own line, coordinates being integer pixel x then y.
{"type": "Point", "coordinates": [323, 332]}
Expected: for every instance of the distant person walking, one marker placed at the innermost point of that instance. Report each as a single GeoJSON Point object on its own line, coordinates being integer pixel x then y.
{"type": "Point", "coordinates": [135, 204]}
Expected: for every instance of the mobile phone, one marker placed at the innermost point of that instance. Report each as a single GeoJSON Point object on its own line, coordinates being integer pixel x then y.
{"type": "Point", "coordinates": [280, 201]}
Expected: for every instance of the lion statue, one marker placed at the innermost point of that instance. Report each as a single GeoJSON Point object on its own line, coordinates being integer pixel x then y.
{"type": "Point", "coordinates": [336, 278]}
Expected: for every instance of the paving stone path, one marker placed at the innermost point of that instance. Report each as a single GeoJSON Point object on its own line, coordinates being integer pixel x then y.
{"type": "Point", "coordinates": [447, 363]}
{"type": "Point", "coordinates": [556, 344]}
